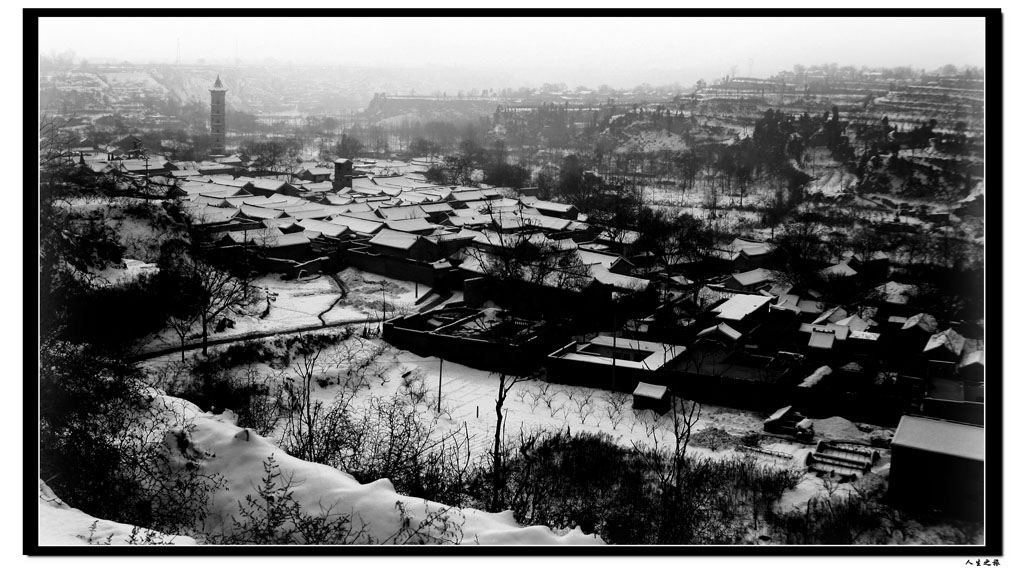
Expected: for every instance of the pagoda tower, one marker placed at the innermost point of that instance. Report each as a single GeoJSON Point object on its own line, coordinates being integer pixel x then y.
{"type": "Point", "coordinates": [218, 123]}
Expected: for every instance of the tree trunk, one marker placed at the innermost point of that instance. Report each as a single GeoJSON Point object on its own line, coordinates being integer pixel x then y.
{"type": "Point", "coordinates": [205, 335]}
{"type": "Point", "coordinates": [309, 418]}
{"type": "Point", "coordinates": [496, 477]}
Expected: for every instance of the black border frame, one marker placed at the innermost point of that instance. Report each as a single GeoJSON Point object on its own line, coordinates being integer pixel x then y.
{"type": "Point", "coordinates": [994, 490]}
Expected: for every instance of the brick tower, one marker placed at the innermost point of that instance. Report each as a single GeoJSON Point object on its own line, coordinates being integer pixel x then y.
{"type": "Point", "coordinates": [218, 123]}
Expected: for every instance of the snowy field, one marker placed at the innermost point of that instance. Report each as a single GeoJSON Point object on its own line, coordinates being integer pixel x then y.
{"type": "Point", "coordinates": [309, 302]}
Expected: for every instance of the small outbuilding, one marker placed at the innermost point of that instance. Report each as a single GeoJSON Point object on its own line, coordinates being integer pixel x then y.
{"type": "Point", "coordinates": [653, 397]}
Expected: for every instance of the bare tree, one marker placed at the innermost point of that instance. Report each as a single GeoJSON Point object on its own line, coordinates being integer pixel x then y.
{"type": "Point", "coordinates": [615, 405]}
{"type": "Point", "coordinates": [527, 257]}
{"type": "Point", "coordinates": [505, 385]}
{"type": "Point", "coordinates": [212, 293]}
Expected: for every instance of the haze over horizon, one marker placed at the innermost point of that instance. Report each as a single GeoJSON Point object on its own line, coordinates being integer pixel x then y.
{"type": "Point", "coordinates": [586, 50]}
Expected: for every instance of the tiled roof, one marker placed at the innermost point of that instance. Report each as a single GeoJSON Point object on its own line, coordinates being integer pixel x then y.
{"type": "Point", "coordinates": [394, 239]}
{"type": "Point", "coordinates": [358, 225]}
{"type": "Point", "coordinates": [411, 225]}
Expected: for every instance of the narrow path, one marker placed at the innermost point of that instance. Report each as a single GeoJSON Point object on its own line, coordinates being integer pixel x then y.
{"type": "Point", "coordinates": [250, 336]}
{"type": "Point", "coordinates": [341, 296]}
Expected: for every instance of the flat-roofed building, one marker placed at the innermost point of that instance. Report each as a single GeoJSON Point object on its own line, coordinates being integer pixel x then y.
{"type": "Point", "coordinates": [938, 464]}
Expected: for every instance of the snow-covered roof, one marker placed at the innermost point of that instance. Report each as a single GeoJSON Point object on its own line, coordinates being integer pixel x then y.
{"type": "Point", "coordinates": [657, 354]}
{"type": "Point", "coordinates": [211, 215]}
{"type": "Point", "coordinates": [926, 322]}
{"type": "Point", "coordinates": [321, 187]}
{"type": "Point", "coordinates": [832, 316]}
{"type": "Point", "coordinates": [810, 306]}
{"type": "Point", "coordinates": [317, 171]}
{"type": "Point", "coordinates": [288, 199]}
{"type": "Point", "coordinates": [723, 329]}
{"type": "Point", "coordinates": [325, 228]}
{"type": "Point", "coordinates": [335, 199]}
{"type": "Point", "coordinates": [740, 306]}
{"type": "Point", "coordinates": [394, 239]}
{"type": "Point", "coordinates": [471, 220]}
{"type": "Point", "coordinates": [605, 276]}
{"type": "Point", "coordinates": [822, 340]}
{"type": "Point", "coordinates": [304, 211]}
{"type": "Point", "coordinates": [739, 246]}
{"type": "Point", "coordinates": [750, 277]}
{"type": "Point", "coordinates": [471, 195]}
{"type": "Point", "coordinates": [202, 200]}
{"type": "Point", "coordinates": [841, 269]}
{"type": "Point", "coordinates": [948, 339]}
{"type": "Point", "coordinates": [590, 257]}
{"type": "Point", "coordinates": [436, 208]}
{"type": "Point", "coordinates": [410, 225]}
{"type": "Point", "coordinates": [402, 213]}
{"type": "Point", "coordinates": [552, 206]}
{"type": "Point", "coordinates": [260, 213]}
{"type": "Point", "coordinates": [943, 437]}
{"type": "Point", "coordinates": [268, 184]}
{"type": "Point", "coordinates": [896, 293]}
{"type": "Point", "coordinates": [358, 225]}
{"type": "Point", "coordinates": [976, 357]}
{"type": "Point", "coordinates": [229, 181]}
{"type": "Point", "coordinates": [358, 207]}
{"type": "Point", "coordinates": [650, 391]}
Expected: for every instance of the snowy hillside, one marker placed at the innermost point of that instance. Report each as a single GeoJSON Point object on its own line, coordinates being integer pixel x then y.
{"type": "Point", "coordinates": [238, 455]}
{"type": "Point", "coordinates": [62, 525]}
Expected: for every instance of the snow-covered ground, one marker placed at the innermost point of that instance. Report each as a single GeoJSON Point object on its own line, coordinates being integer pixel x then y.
{"type": "Point", "coordinates": [62, 525]}
{"type": "Point", "coordinates": [468, 406]}
{"type": "Point", "coordinates": [238, 455]}
{"type": "Point", "coordinates": [311, 301]}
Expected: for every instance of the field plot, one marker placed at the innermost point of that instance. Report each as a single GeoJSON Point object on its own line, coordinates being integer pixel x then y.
{"type": "Point", "coordinates": [310, 302]}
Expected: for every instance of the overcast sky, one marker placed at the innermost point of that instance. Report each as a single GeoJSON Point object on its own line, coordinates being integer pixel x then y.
{"type": "Point", "coordinates": [588, 50]}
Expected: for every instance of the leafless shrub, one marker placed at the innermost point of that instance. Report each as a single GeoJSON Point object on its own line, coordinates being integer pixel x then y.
{"type": "Point", "coordinates": [584, 401]}
{"type": "Point", "coordinates": [413, 387]}
{"type": "Point", "coordinates": [532, 399]}
{"type": "Point", "coordinates": [548, 395]}
{"type": "Point", "coordinates": [615, 404]}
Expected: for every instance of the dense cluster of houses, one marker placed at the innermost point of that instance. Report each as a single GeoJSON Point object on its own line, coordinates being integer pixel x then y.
{"type": "Point", "coordinates": [734, 323]}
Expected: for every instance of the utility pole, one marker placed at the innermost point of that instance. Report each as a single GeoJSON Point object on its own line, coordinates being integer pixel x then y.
{"type": "Point", "coordinates": [440, 368]}
{"type": "Point", "coordinates": [614, 344]}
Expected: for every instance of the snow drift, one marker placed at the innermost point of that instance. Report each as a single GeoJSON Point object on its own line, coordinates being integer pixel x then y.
{"type": "Point", "coordinates": [238, 455]}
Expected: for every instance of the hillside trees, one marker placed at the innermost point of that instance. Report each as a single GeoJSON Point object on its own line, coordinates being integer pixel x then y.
{"type": "Point", "coordinates": [578, 186]}
{"type": "Point", "coordinates": [204, 292]}
{"type": "Point", "coordinates": [269, 156]}
{"type": "Point", "coordinates": [531, 258]}
{"type": "Point", "coordinates": [348, 146]}
{"type": "Point", "coordinates": [113, 450]}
